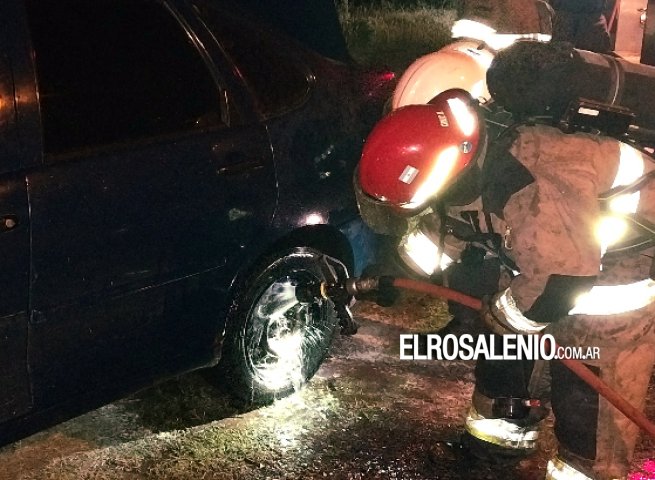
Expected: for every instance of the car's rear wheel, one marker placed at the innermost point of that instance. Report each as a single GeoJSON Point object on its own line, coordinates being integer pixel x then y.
{"type": "Point", "coordinates": [275, 342]}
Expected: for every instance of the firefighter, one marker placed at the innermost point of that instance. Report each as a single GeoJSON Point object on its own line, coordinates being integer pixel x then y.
{"type": "Point", "coordinates": [582, 23]}
{"type": "Point", "coordinates": [482, 29]}
{"type": "Point", "coordinates": [508, 16]}
{"type": "Point", "coordinates": [529, 199]}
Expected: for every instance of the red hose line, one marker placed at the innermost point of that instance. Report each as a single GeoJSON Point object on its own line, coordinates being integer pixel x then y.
{"type": "Point", "coordinates": [603, 389]}
{"type": "Point", "coordinates": [589, 377]}
{"type": "Point", "coordinates": [438, 291]}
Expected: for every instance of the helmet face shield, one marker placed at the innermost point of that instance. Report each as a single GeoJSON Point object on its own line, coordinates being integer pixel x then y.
{"type": "Point", "coordinates": [381, 217]}
{"type": "Point", "coordinates": [416, 152]}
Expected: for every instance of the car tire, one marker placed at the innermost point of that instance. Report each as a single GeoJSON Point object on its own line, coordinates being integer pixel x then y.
{"type": "Point", "coordinates": [275, 343]}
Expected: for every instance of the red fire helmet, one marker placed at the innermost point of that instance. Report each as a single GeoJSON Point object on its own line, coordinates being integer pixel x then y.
{"type": "Point", "coordinates": [417, 151]}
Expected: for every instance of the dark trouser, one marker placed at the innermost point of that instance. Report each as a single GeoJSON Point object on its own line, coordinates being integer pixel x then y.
{"type": "Point", "coordinates": [503, 378]}
{"type": "Point", "coordinates": [494, 379]}
{"type": "Point", "coordinates": [474, 276]}
{"type": "Point", "coordinates": [594, 436]}
{"type": "Point", "coordinates": [478, 277]}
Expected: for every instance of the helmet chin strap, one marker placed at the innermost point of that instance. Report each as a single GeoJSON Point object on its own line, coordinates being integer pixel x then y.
{"type": "Point", "coordinates": [443, 230]}
{"type": "Point", "coordinates": [465, 189]}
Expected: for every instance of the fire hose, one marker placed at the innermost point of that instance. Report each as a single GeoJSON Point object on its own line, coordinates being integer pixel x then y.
{"type": "Point", "coordinates": [355, 286]}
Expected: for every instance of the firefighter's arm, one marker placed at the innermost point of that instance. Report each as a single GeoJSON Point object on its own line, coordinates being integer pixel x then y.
{"type": "Point", "coordinates": [501, 315]}
{"type": "Point", "coordinates": [552, 223]}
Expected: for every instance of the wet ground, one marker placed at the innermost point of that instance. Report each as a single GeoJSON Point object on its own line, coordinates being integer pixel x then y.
{"type": "Point", "coordinates": [366, 415]}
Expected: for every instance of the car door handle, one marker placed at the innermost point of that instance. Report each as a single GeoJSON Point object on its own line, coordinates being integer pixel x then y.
{"type": "Point", "coordinates": [237, 163]}
{"type": "Point", "coordinates": [8, 222]}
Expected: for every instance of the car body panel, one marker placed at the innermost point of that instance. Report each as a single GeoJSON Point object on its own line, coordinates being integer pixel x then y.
{"type": "Point", "coordinates": [14, 258]}
{"type": "Point", "coordinates": [15, 395]}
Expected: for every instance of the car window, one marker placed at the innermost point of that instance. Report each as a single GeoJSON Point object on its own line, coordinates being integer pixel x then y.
{"type": "Point", "coordinates": [278, 80]}
{"type": "Point", "coordinates": [112, 71]}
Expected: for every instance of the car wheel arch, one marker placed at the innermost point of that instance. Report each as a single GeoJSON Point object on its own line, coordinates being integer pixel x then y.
{"type": "Point", "coordinates": [323, 238]}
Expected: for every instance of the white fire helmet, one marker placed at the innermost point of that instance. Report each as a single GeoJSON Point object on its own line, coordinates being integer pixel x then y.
{"type": "Point", "coordinates": [462, 64]}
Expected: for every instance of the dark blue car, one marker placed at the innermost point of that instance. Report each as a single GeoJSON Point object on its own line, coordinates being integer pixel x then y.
{"type": "Point", "coordinates": [170, 171]}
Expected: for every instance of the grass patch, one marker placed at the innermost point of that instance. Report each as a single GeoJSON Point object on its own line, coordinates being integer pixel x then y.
{"type": "Point", "coordinates": [180, 403]}
{"type": "Point", "coordinates": [394, 36]}
{"type": "Point", "coordinates": [252, 446]}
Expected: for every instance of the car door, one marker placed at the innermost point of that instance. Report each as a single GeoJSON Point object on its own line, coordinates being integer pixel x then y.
{"type": "Point", "coordinates": [14, 244]}
{"type": "Point", "coordinates": [147, 191]}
